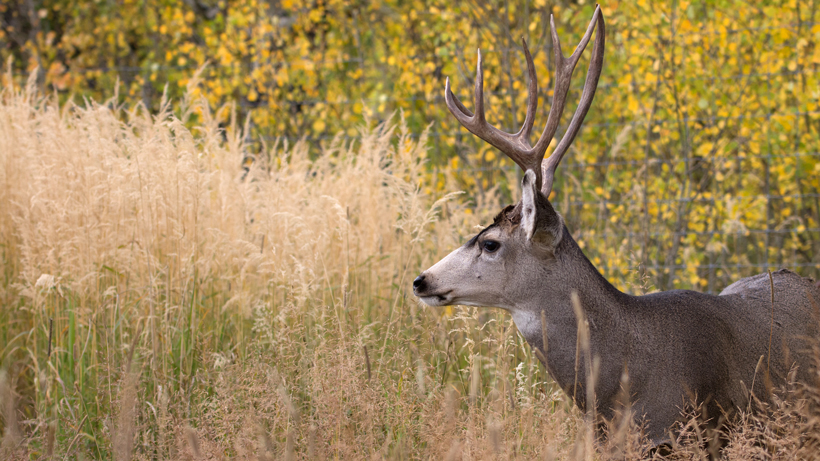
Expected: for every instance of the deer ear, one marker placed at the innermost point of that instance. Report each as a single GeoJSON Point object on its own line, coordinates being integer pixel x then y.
{"type": "Point", "coordinates": [539, 221]}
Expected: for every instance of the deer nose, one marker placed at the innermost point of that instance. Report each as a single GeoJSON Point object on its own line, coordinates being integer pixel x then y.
{"type": "Point", "coordinates": [419, 283]}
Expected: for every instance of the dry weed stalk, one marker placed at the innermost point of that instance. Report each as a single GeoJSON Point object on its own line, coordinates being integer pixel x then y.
{"type": "Point", "coordinates": [126, 429]}
{"type": "Point", "coordinates": [11, 436]}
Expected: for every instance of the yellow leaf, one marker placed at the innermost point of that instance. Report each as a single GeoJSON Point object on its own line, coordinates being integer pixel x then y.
{"type": "Point", "coordinates": [632, 105]}
{"type": "Point", "coordinates": [754, 147]}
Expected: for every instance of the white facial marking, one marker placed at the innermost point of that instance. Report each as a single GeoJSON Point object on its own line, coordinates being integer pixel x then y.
{"type": "Point", "coordinates": [527, 322]}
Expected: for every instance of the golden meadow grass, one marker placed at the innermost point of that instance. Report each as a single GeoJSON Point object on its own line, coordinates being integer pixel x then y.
{"type": "Point", "coordinates": [159, 301]}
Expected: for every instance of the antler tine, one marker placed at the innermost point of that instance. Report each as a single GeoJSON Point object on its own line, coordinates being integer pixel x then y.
{"type": "Point", "coordinates": [590, 85]}
{"type": "Point", "coordinates": [479, 91]}
{"type": "Point", "coordinates": [449, 95]}
{"type": "Point", "coordinates": [532, 96]}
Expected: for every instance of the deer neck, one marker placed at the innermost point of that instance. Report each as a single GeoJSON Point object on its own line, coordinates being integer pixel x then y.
{"type": "Point", "coordinates": [604, 307]}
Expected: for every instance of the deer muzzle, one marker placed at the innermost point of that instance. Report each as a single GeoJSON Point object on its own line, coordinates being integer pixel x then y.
{"type": "Point", "coordinates": [426, 291]}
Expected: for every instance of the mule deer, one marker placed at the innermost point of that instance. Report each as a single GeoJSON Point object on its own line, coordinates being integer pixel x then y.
{"type": "Point", "coordinates": [678, 346]}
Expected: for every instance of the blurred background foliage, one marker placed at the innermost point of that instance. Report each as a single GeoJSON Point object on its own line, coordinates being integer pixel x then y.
{"type": "Point", "coordinates": [698, 162]}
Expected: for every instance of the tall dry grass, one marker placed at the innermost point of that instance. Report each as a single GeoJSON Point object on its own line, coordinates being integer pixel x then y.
{"type": "Point", "coordinates": [160, 301]}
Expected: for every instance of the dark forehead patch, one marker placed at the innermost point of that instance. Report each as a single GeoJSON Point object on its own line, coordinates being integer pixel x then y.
{"type": "Point", "coordinates": [508, 217]}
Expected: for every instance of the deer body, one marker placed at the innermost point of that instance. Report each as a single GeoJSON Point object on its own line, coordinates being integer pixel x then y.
{"type": "Point", "coordinates": [678, 347]}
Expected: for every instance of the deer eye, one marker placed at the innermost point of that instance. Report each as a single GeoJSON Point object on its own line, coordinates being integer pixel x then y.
{"type": "Point", "coordinates": [491, 246]}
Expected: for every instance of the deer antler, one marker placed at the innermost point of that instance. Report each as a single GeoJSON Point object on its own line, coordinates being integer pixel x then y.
{"type": "Point", "coordinates": [517, 146]}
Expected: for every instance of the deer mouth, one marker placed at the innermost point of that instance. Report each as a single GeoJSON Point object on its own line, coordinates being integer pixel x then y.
{"type": "Point", "coordinates": [440, 299]}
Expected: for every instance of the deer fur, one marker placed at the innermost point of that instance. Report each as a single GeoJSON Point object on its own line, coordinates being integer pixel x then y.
{"type": "Point", "coordinates": [679, 347]}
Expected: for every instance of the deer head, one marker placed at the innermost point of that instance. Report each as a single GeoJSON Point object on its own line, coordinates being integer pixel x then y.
{"type": "Point", "coordinates": [496, 267]}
